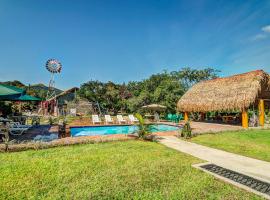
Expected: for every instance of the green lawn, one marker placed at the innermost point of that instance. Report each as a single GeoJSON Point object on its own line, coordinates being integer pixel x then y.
{"type": "Point", "coordinates": [251, 143]}
{"type": "Point", "coordinates": [115, 170]}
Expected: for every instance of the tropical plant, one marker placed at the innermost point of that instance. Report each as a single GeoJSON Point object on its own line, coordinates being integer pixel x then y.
{"type": "Point", "coordinates": [143, 128]}
{"type": "Point", "coordinates": [186, 131]}
{"type": "Point", "coordinates": [52, 120]}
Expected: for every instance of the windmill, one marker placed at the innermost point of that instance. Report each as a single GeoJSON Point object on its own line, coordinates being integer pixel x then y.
{"type": "Point", "coordinates": [54, 67]}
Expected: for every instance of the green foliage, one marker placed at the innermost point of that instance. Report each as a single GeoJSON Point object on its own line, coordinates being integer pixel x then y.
{"type": "Point", "coordinates": [52, 120]}
{"type": "Point", "coordinates": [163, 88]}
{"type": "Point", "coordinates": [186, 131]}
{"type": "Point", "coordinates": [143, 128]}
{"type": "Point", "coordinates": [5, 108]}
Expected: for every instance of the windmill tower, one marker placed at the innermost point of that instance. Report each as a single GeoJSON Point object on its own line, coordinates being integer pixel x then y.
{"type": "Point", "coordinates": [54, 67]}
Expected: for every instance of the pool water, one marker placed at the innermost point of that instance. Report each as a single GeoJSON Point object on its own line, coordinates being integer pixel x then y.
{"type": "Point", "coordinates": [110, 130]}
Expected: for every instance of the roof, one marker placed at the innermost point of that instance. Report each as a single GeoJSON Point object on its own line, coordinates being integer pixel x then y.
{"type": "Point", "coordinates": [71, 90]}
{"type": "Point", "coordinates": [236, 92]}
{"type": "Point", "coordinates": [27, 98]}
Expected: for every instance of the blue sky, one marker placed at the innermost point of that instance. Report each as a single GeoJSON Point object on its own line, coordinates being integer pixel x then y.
{"type": "Point", "coordinates": [125, 40]}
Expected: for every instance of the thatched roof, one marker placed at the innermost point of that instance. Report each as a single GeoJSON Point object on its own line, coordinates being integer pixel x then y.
{"type": "Point", "coordinates": [236, 92]}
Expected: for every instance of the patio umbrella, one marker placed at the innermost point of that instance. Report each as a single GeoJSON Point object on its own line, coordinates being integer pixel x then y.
{"type": "Point", "coordinates": [8, 92]}
{"type": "Point", "coordinates": [155, 107]}
{"type": "Point", "coordinates": [26, 98]}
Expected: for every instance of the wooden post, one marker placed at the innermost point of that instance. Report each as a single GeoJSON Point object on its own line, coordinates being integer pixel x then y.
{"type": "Point", "coordinates": [261, 112]}
{"type": "Point", "coordinates": [202, 116]}
{"type": "Point", "coordinates": [186, 116]}
{"type": "Point", "coordinates": [244, 119]}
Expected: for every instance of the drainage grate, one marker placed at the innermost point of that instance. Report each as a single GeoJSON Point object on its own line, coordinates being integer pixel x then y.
{"type": "Point", "coordinates": [248, 181]}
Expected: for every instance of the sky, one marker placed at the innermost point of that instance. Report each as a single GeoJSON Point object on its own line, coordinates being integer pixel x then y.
{"type": "Point", "coordinates": [128, 40]}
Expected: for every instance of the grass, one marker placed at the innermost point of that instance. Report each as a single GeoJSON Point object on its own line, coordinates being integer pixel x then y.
{"type": "Point", "coordinates": [115, 170]}
{"type": "Point", "coordinates": [251, 143]}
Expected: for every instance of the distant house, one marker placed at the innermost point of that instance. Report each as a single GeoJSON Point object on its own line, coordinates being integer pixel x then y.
{"type": "Point", "coordinates": [67, 102]}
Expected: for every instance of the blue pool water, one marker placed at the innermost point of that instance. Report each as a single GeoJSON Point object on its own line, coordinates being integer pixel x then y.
{"type": "Point", "coordinates": [109, 130]}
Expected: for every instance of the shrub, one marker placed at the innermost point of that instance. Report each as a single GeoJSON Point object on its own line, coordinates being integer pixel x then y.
{"type": "Point", "coordinates": [186, 132]}
{"type": "Point", "coordinates": [143, 128]}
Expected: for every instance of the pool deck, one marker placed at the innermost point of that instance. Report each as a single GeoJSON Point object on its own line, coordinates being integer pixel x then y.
{"type": "Point", "coordinates": [197, 127]}
{"type": "Point", "coordinates": [47, 130]}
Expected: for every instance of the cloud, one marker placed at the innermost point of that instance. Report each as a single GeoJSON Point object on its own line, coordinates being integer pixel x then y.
{"type": "Point", "coordinates": [266, 29]}
{"type": "Point", "coordinates": [265, 33]}
{"type": "Point", "coordinates": [259, 36]}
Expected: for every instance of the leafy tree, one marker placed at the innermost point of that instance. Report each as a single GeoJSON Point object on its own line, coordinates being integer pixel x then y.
{"type": "Point", "coordinates": [163, 88]}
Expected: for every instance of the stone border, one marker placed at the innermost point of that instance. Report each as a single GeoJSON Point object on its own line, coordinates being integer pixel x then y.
{"type": "Point", "coordinates": [65, 142]}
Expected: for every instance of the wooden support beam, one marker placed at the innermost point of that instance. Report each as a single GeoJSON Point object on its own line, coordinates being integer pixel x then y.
{"type": "Point", "coordinates": [186, 116]}
{"type": "Point", "coordinates": [261, 112]}
{"type": "Point", "coordinates": [244, 119]}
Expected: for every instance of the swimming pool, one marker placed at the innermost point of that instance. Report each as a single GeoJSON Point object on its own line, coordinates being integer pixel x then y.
{"type": "Point", "coordinates": [121, 129]}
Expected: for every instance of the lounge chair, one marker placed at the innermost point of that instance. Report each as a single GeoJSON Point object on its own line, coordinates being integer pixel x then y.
{"type": "Point", "coordinates": [108, 119]}
{"type": "Point", "coordinates": [95, 119]}
{"type": "Point", "coordinates": [120, 119]}
{"type": "Point", "coordinates": [17, 125]}
{"type": "Point", "coordinates": [132, 119]}
{"type": "Point", "coordinates": [15, 128]}
{"type": "Point", "coordinates": [17, 131]}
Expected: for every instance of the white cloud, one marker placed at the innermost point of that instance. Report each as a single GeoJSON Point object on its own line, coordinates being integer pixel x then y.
{"type": "Point", "coordinates": [265, 33]}
{"type": "Point", "coordinates": [259, 36]}
{"type": "Point", "coordinates": [266, 29]}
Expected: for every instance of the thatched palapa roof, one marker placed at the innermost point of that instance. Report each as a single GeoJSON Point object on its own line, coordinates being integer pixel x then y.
{"type": "Point", "coordinates": [236, 92]}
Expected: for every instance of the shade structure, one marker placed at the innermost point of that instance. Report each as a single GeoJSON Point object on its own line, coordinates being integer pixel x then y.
{"type": "Point", "coordinates": [233, 93]}
{"type": "Point", "coordinates": [12, 93]}
{"type": "Point", "coordinates": [155, 107]}
{"type": "Point", "coordinates": [8, 92]}
{"type": "Point", "coordinates": [27, 98]}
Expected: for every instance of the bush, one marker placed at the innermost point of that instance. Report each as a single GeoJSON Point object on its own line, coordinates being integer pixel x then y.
{"type": "Point", "coordinates": [186, 132]}
{"type": "Point", "coordinates": [143, 129]}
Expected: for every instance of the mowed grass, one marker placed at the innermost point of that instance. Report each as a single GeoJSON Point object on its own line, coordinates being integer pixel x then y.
{"type": "Point", "coordinates": [251, 143]}
{"type": "Point", "coordinates": [116, 170]}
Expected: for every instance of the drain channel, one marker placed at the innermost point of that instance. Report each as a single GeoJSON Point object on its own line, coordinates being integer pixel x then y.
{"type": "Point", "coordinates": [248, 181]}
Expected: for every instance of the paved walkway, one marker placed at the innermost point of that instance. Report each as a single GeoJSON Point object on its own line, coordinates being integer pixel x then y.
{"type": "Point", "coordinates": [249, 166]}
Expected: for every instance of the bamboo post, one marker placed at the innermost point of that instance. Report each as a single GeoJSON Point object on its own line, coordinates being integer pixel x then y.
{"type": "Point", "coordinates": [261, 112]}
{"type": "Point", "coordinates": [186, 116]}
{"type": "Point", "coordinates": [244, 119]}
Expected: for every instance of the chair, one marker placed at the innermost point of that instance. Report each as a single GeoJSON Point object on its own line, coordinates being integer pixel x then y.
{"type": "Point", "coordinates": [108, 119]}
{"type": "Point", "coordinates": [17, 130]}
{"type": "Point", "coordinates": [17, 125]}
{"type": "Point", "coordinates": [169, 117]}
{"type": "Point", "coordinates": [120, 119]}
{"type": "Point", "coordinates": [132, 119]}
{"type": "Point", "coordinates": [95, 119]}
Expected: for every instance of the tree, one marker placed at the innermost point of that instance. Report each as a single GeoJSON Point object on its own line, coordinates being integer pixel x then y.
{"type": "Point", "coordinates": [163, 88]}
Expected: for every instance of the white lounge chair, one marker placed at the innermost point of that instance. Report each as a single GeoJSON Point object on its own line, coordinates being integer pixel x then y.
{"type": "Point", "coordinates": [95, 119]}
{"type": "Point", "coordinates": [120, 119]}
{"type": "Point", "coordinates": [108, 119]}
{"type": "Point", "coordinates": [132, 119]}
{"type": "Point", "coordinates": [17, 131]}
{"type": "Point", "coordinates": [17, 125]}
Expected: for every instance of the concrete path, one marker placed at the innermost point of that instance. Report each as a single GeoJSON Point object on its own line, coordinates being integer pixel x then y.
{"type": "Point", "coordinates": [249, 166]}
